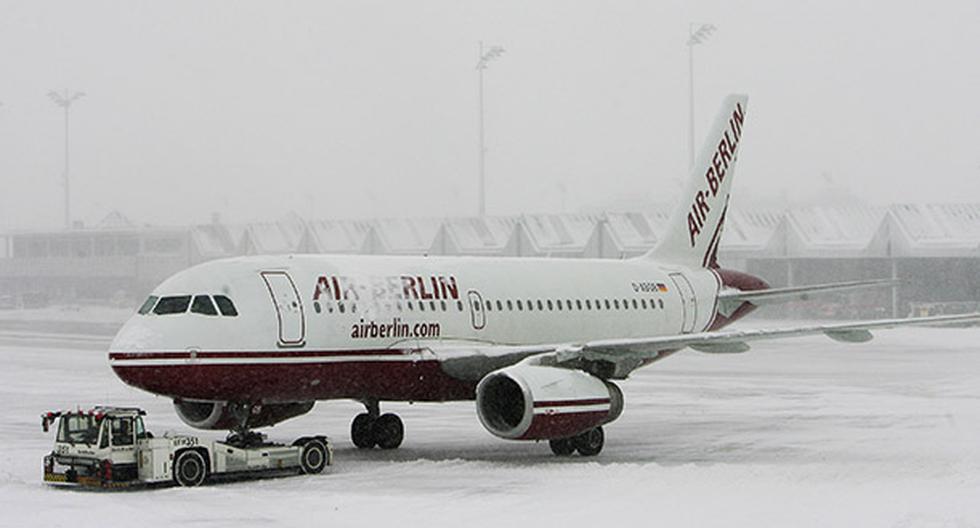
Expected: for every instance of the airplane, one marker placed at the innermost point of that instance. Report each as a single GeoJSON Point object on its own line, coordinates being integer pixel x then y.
{"type": "Point", "coordinates": [538, 343]}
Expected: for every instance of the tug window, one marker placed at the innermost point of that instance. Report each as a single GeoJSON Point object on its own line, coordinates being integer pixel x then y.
{"type": "Point", "coordinates": [122, 431]}
{"type": "Point", "coordinates": [172, 305]}
{"type": "Point", "coordinates": [148, 305]}
{"type": "Point", "coordinates": [226, 306]}
{"type": "Point", "coordinates": [202, 305]}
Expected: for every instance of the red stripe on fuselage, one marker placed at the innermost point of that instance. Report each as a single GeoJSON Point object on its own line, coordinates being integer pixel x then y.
{"type": "Point", "coordinates": [124, 356]}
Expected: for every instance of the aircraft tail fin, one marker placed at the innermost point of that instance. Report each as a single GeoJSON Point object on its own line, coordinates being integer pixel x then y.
{"type": "Point", "coordinates": [695, 226]}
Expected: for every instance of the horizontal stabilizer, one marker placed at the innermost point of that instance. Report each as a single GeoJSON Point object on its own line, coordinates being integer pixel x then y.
{"type": "Point", "coordinates": [730, 300]}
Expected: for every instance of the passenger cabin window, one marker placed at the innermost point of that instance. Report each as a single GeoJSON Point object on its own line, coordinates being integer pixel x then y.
{"type": "Point", "coordinates": [172, 305]}
{"type": "Point", "coordinates": [202, 305]}
{"type": "Point", "coordinates": [148, 305]}
{"type": "Point", "coordinates": [225, 305]}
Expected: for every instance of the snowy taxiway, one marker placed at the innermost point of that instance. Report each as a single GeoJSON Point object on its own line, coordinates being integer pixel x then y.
{"type": "Point", "coordinates": [802, 432]}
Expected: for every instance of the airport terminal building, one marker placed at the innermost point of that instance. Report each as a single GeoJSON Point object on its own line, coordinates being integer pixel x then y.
{"type": "Point", "coordinates": [934, 250]}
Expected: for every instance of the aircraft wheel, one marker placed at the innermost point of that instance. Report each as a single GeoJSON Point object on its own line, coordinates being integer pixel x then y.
{"type": "Point", "coordinates": [590, 442]}
{"type": "Point", "coordinates": [388, 431]}
{"type": "Point", "coordinates": [362, 431]}
{"type": "Point", "coordinates": [190, 468]}
{"type": "Point", "coordinates": [313, 457]}
{"type": "Point", "coordinates": [562, 446]}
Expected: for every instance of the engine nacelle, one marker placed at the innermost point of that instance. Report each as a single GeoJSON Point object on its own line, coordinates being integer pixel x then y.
{"type": "Point", "coordinates": [226, 416]}
{"type": "Point", "coordinates": [534, 402]}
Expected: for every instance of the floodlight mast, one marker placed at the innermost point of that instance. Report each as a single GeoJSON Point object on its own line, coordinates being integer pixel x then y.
{"type": "Point", "coordinates": [65, 100]}
{"type": "Point", "coordinates": [484, 58]}
{"type": "Point", "coordinates": [694, 38]}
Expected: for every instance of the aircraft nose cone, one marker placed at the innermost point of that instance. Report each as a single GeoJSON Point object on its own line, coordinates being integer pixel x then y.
{"type": "Point", "coordinates": [134, 336]}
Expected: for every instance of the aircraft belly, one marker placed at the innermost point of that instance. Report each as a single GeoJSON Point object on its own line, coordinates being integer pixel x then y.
{"type": "Point", "coordinates": [399, 380]}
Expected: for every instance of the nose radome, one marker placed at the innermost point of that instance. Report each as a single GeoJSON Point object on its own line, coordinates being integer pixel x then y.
{"type": "Point", "coordinates": [135, 335]}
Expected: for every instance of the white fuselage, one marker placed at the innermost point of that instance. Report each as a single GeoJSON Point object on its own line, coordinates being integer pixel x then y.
{"type": "Point", "coordinates": [304, 310]}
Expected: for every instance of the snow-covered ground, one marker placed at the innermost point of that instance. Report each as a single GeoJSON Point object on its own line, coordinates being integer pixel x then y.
{"type": "Point", "coordinates": [803, 432]}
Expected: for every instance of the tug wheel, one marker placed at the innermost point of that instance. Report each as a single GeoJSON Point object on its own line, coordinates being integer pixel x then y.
{"type": "Point", "coordinates": [190, 468]}
{"type": "Point", "coordinates": [313, 457]}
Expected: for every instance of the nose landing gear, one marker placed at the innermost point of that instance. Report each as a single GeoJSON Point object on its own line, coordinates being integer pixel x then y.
{"type": "Point", "coordinates": [375, 429]}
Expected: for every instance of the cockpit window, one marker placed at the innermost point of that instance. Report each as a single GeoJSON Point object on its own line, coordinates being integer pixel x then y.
{"type": "Point", "coordinates": [225, 305]}
{"type": "Point", "coordinates": [172, 305]}
{"type": "Point", "coordinates": [148, 305]}
{"type": "Point", "coordinates": [202, 304]}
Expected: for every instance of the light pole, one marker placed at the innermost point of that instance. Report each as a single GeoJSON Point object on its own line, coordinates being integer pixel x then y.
{"type": "Point", "coordinates": [693, 39]}
{"type": "Point", "coordinates": [65, 100]}
{"type": "Point", "coordinates": [485, 56]}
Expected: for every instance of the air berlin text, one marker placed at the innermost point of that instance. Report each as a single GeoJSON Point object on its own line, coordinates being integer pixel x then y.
{"type": "Point", "coordinates": [407, 287]}
{"type": "Point", "coordinates": [722, 159]}
{"type": "Point", "coordinates": [395, 329]}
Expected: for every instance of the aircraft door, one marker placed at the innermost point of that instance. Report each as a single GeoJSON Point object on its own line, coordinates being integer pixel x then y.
{"type": "Point", "coordinates": [289, 308]}
{"type": "Point", "coordinates": [689, 301]}
{"type": "Point", "coordinates": [478, 315]}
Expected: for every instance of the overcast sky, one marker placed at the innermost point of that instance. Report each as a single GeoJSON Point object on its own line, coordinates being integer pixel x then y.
{"type": "Point", "coordinates": [357, 109]}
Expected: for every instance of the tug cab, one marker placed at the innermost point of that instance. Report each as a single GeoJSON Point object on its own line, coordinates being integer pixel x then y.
{"type": "Point", "coordinates": [109, 447]}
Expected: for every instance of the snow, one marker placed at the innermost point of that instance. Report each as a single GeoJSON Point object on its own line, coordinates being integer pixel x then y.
{"type": "Point", "coordinates": [804, 432]}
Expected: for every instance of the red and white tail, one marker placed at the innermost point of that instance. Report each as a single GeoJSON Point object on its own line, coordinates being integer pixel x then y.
{"type": "Point", "coordinates": [695, 226]}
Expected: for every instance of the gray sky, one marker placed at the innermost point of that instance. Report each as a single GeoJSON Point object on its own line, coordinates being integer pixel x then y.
{"type": "Point", "coordinates": [356, 109]}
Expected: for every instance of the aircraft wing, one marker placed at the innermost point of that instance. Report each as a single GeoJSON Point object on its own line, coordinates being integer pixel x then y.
{"type": "Point", "coordinates": [616, 358]}
{"type": "Point", "coordinates": [729, 300]}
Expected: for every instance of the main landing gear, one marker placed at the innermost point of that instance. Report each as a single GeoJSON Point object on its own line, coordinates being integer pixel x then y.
{"type": "Point", "coordinates": [372, 428]}
{"type": "Point", "coordinates": [588, 443]}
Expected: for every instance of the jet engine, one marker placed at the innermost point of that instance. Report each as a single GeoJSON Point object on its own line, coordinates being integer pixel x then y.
{"type": "Point", "coordinates": [226, 416]}
{"type": "Point", "coordinates": [534, 402]}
